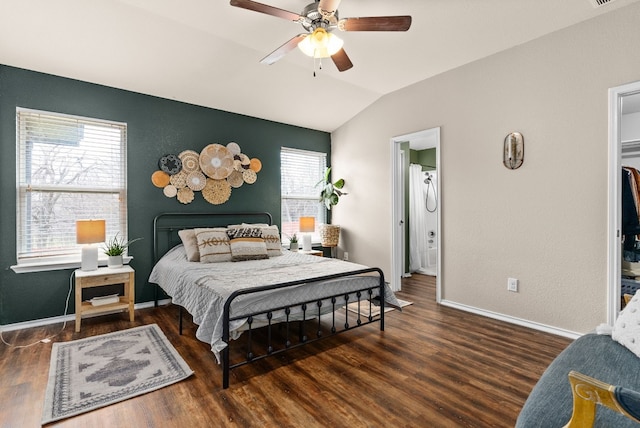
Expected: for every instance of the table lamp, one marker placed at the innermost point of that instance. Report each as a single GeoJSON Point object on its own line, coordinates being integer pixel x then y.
{"type": "Point", "coordinates": [307, 226]}
{"type": "Point", "coordinates": [89, 232]}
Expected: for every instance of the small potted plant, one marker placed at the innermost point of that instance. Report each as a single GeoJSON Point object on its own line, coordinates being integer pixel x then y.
{"type": "Point", "coordinates": [293, 242]}
{"type": "Point", "coordinates": [114, 249]}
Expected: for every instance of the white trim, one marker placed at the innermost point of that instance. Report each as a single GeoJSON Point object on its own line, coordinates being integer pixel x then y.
{"type": "Point", "coordinates": [58, 264]}
{"type": "Point", "coordinates": [397, 266]}
{"type": "Point", "coordinates": [614, 215]}
{"type": "Point", "coordinates": [512, 320]}
{"type": "Point", "coordinates": [71, 317]}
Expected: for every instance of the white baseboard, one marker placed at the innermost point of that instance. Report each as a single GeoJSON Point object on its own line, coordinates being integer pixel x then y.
{"type": "Point", "coordinates": [513, 320]}
{"type": "Point", "coordinates": [71, 317]}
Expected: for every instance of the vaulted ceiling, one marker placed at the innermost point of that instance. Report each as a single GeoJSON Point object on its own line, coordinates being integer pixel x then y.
{"type": "Point", "coordinates": [207, 52]}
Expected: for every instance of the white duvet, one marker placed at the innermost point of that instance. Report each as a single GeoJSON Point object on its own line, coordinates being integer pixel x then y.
{"type": "Point", "coordinates": [202, 288]}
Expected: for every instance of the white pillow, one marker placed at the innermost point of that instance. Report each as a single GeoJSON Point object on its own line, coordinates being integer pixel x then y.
{"type": "Point", "coordinates": [213, 245]}
{"type": "Point", "coordinates": [626, 329]}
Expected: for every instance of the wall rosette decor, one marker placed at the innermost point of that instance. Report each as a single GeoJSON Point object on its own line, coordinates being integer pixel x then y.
{"type": "Point", "coordinates": [213, 172]}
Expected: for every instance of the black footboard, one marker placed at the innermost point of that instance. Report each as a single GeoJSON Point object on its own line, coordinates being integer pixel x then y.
{"type": "Point", "coordinates": [311, 311]}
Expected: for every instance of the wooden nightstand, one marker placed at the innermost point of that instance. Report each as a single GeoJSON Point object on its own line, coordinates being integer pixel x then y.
{"type": "Point", "coordinates": [98, 278]}
{"type": "Point", "coordinates": [312, 252]}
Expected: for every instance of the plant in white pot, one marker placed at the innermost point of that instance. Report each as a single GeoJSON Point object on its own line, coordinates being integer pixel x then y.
{"type": "Point", "coordinates": [293, 242]}
{"type": "Point", "coordinates": [330, 194]}
{"type": "Point", "coordinates": [114, 249]}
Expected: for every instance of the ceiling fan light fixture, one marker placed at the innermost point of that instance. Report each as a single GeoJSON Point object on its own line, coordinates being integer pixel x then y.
{"type": "Point", "coordinates": [320, 44]}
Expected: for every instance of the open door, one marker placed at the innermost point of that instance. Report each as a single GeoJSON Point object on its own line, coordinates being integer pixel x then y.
{"type": "Point", "coordinates": [429, 138]}
{"type": "Point", "coordinates": [622, 102]}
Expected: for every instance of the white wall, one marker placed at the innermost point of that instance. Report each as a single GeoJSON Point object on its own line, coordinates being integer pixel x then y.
{"type": "Point", "coordinates": [544, 223]}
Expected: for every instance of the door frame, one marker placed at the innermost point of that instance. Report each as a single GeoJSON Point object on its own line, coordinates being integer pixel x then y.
{"type": "Point", "coordinates": [397, 211]}
{"type": "Point", "coordinates": [614, 215]}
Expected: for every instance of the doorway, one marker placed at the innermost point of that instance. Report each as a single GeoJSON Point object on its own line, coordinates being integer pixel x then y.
{"type": "Point", "coordinates": [624, 102]}
{"type": "Point", "coordinates": [426, 139]}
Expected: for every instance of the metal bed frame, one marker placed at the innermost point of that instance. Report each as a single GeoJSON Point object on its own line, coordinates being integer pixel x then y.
{"type": "Point", "coordinates": [170, 223]}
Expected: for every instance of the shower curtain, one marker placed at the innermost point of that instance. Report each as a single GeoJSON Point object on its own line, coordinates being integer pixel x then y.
{"type": "Point", "coordinates": [418, 239]}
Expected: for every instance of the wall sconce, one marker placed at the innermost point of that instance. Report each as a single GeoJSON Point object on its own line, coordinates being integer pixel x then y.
{"type": "Point", "coordinates": [513, 155]}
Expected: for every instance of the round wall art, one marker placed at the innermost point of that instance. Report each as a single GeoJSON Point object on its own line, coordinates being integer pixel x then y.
{"type": "Point", "coordinates": [214, 172]}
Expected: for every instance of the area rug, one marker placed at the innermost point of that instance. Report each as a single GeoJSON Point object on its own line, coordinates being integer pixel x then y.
{"type": "Point", "coordinates": [375, 309]}
{"type": "Point", "coordinates": [97, 371]}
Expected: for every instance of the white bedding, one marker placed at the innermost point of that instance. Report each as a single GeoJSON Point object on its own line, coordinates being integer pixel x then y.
{"type": "Point", "coordinates": [202, 288]}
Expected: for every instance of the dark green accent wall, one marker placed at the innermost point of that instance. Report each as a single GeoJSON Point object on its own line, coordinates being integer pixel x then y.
{"type": "Point", "coordinates": [427, 158]}
{"type": "Point", "coordinates": [156, 127]}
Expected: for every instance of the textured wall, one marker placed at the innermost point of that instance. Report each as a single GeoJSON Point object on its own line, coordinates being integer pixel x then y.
{"type": "Point", "coordinates": [545, 223]}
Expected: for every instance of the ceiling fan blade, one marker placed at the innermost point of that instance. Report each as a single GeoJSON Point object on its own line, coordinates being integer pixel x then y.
{"type": "Point", "coordinates": [341, 60]}
{"type": "Point", "coordinates": [269, 10]}
{"type": "Point", "coordinates": [283, 50]}
{"type": "Point", "coordinates": [328, 7]}
{"type": "Point", "coordinates": [376, 23]}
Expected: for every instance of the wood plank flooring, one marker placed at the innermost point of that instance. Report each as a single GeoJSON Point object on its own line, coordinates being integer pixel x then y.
{"type": "Point", "coordinates": [432, 367]}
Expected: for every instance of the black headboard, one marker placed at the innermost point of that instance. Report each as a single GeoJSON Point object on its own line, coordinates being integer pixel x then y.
{"type": "Point", "coordinates": [166, 226]}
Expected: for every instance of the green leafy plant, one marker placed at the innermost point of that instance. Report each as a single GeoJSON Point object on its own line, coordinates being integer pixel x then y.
{"type": "Point", "coordinates": [293, 238]}
{"type": "Point", "coordinates": [330, 192]}
{"type": "Point", "coordinates": [116, 246]}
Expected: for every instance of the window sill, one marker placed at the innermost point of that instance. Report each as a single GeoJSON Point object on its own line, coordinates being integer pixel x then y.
{"type": "Point", "coordinates": [45, 266]}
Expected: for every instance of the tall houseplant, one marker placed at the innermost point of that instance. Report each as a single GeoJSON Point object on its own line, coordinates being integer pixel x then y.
{"type": "Point", "coordinates": [330, 194]}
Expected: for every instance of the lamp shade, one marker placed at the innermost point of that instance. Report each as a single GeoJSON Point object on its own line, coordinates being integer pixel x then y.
{"type": "Point", "coordinates": [320, 44]}
{"type": "Point", "coordinates": [307, 224]}
{"type": "Point", "coordinates": [90, 231]}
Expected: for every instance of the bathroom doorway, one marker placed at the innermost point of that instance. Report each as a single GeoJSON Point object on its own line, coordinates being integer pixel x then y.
{"type": "Point", "coordinates": [624, 150]}
{"type": "Point", "coordinates": [422, 149]}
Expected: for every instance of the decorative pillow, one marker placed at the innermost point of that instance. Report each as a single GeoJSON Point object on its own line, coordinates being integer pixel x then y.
{"type": "Point", "coordinates": [190, 243]}
{"type": "Point", "coordinates": [271, 237]}
{"type": "Point", "coordinates": [213, 245]}
{"type": "Point", "coordinates": [247, 244]}
{"type": "Point", "coordinates": [626, 329]}
{"type": "Point", "coordinates": [237, 226]}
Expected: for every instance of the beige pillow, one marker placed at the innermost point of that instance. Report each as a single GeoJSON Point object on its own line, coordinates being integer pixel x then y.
{"type": "Point", "coordinates": [213, 245]}
{"type": "Point", "coordinates": [247, 244]}
{"type": "Point", "coordinates": [271, 237]}
{"type": "Point", "coordinates": [190, 243]}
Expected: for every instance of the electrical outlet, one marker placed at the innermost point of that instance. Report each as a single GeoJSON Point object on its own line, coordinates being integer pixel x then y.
{"type": "Point", "coordinates": [512, 285]}
{"type": "Point", "coordinates": [346, 256]}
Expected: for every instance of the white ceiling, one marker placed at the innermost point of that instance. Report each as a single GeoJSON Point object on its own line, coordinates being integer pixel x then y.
{"type": "Point", "coordinates": [207, 52]}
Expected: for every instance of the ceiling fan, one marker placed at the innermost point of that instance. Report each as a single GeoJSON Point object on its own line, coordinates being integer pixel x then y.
{"type": "Point", "coordinates": [319, 19]}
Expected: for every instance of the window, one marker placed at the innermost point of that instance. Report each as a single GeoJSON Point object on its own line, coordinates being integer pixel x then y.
{"type": "Point", "coordinates": [301, 171]}
{"type": "Point", "coordinates": [68, 168]}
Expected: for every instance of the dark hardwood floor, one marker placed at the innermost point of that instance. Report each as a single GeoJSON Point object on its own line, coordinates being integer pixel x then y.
{"type": "Point", "coordinates": [433, 366]}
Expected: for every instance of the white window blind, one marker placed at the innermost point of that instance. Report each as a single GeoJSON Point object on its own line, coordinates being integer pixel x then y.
{"type": "Point", "coordinates": [301, 170]}
{"type": "Point", "coordinates": [68, 168]}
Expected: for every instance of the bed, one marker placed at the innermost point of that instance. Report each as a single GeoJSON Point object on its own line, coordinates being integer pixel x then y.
{"type": "Point", "coordinates": [287, 299]}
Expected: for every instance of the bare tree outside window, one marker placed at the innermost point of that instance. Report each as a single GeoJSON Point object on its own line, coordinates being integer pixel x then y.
{"type": "Point", "coordinates": [69, 168]}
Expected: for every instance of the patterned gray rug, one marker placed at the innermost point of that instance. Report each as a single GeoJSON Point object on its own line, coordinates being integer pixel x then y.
{"type": "Point", "coordinates": [97, 371]}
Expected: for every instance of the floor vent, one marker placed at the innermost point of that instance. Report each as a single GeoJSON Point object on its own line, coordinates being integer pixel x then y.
{"type": "Point", "coordinates": [598, 3]}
